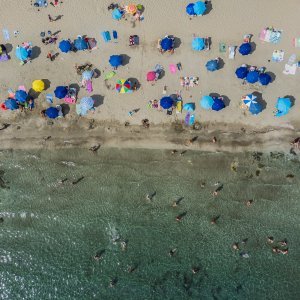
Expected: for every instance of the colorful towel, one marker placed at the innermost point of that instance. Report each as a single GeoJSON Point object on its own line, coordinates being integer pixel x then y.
{"type": "Point", "coordinates": [172, 68]}
{"type": "Point", "coordinates": [277, 55]}
{"type": "Point", "coordinates": [106, 36]}
{"type": "Point", "coordinates": [89, 86]}
{"type": "Point", "coordinates": [270, 35]}
{"type": "Point", "coordinates": [4, 57]}
{"type": "Point", "coordinates": [296, 42]}
{"type": "Point", "coordinates": [5, 34]}
{"type": "Point", "coordinates": [290, 69]}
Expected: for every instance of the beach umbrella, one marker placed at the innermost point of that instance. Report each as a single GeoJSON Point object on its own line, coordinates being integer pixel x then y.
{"type": "Point", "coordinates": [166, 102]}
{"type": "Point", "coordinates": [198, 44]}
{"type": "Point", "coordinates": [283, 106]}
{"type": "Point", "coordinates": [11, 104]}
{"type": "Point", "coordinates": [38, 86]}
{"type": "Point", "coordinates": [86, 103]}
{"type": "Point", "coordinates": [151, 76]}
{"type": "Point", "coordinates": [123, 86]}
{"type": "Point", "coordinates": [190, 9]}
{"type": "Point", "coordinates": [109, 75]}
{"type": "Point", "coordinates": [212, 65]}
{"type": "Point", "coordinates": [207, 102]}
{"type": "Point", "coordinates": [264, 78]}
{"type": "Point", "coordinates": [117, 14]}
{"type": "Point", "coordinates": [252, 76]}
{"type": "Point", "coordinates": [21, 53]}
{"type": "Point", "coordinates": [166, 44]}
{"type": "Point", "coordinates": [245, 48]}
{"type": "Point", "coordinates": [131, 9]}
{"type": "Point", "coordinates": [115, 60]}
{"type": "Point", "coordinates": [65, 46]}
{"type": "Point", "coordinates": [21, 96]}
{"type": "Point", "coordinates": [241, 72]}
{"type": "Point", "coordinates": [189, 107]}
{"type": "Point", "coordinates": [252, 104]}
{"type": "Point", "coordinates": [51, 112]}
{"type": "Point", "coordinates": [199, 8]}
{"type": "Point", "coordinates": [87, 75]}
{"type": "Point", "coordinates": [218, 104]}
{"type": "Point", "coordinates": [80, 44]}
{"type": "Point", "coordinates": [61, 92]}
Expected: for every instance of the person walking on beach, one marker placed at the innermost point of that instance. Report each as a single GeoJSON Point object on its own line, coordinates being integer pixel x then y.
{"type": "Point", "coordinates": [50, 18]}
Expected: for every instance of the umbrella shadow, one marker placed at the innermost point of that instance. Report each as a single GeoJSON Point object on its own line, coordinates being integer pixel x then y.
{"type": "Point", "coordinates": [36, 51]}
{"type": "Point", "coordinates": [226, 100]}
{"type": "Point", "coordinates": [208, 8]}
{"type": "Point", "coordinates": [135, 83]}
{"type": "Point", "coordinates": [125, 59]}
{"type": "Point", "coordinates": [75, 86]}
{"type": "Point", "coordinates": [221, 63]}
{"type": "Point", "coordinates": [260, 99]}
{"type": "Point", "coordinates": [8, 47]}
{"type": "Point", "coordinates": [65, 108]}
{"type": "Point", "coordinates": [97, 73]}
{"type": "Point", "coordinates": [177, 42]}
{"type": "Point", "coordinates": [47, 83]}
{"type": "Point", "coordinates": [253, 47]}
{"type": "Point", "coordinates": [272, 75]}
{"type": "Point", "coordinates": [292, 98]}
{"type": "Point", "coordinates": [98, 100]}
{"type": "Point", "coordinates": [161, 74]}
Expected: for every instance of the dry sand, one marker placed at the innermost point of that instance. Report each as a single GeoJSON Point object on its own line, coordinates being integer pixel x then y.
{"type": "Point", "coordinates": [227, 22]}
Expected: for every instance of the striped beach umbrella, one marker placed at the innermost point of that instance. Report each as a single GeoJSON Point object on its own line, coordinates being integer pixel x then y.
{"type": "Point", "coordinates": [123, 86]}
{"type": "Point", "coordinates": [253, 105]}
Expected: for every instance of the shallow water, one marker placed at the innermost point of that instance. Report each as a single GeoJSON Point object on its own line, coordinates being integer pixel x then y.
{"type": "Point", "coordinates": [51, 230]}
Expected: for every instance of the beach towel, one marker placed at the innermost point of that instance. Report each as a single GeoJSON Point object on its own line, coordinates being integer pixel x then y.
{"type": "Point", "coordinates": [296, 42]}
{"type": "Point", "coordinates": [115, 35]}
{"type": "Point", "coordinates": [270, 35]}
{"type": "Point", "coordinates": [222, 47]}
{"type": "Point", "coordinates": [49, 98]}
{"type": "Point", "coordinates": [290, 69]}
{"type": "Point", "coordinates": [172, 68]}
{"type": "Point", "coordinates": [179, 106]}
{"type": "Point", "coordinates": [231, 52]}
{"type": "Point", "coordinates": [89, 86]}
{"type": "Point", "coordinates": [92, 43]}
{"type": "Point", "coordinates": [106, 36]}
{"type": "Point", "coordinates": [5, 34]}
{"type": "Point", "coordinates": [4, 57]}
{"type": "Point", "coordinates": [277, 55]}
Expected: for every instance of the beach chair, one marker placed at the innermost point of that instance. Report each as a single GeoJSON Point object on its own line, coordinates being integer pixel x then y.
{"type": "Point", "coordinates": [72, 96]}
{"type": "Point", "coordinates": [231, 54]}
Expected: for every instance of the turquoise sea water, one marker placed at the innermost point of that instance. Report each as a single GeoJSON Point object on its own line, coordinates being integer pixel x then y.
{"type": "Point", "coordinates": [50, 231]}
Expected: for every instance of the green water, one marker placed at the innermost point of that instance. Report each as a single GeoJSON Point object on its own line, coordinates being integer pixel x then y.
{"type": "Point", "coordinates": [51, 230]}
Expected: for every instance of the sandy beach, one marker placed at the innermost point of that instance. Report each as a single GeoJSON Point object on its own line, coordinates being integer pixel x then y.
{"type": "Point", "coordinates": [227, 21]}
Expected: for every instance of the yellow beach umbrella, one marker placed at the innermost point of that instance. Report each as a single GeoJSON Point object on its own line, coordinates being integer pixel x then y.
{"type": "Point", "coordinates": [131, 9]}
{"type": "Point", "coordinates": [38, 85]}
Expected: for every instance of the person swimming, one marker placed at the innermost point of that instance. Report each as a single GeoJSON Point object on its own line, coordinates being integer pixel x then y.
{"type": "Point", "coordinates": [249, 202]}
{"type": "Point", "coordinates": [270, 240]}
{"type": "Point", "coordinates": [235, 246]}
{"type": "Point", "coordinates": [195, 270]}
{"type": "Point", "coordinates": [123, 245]}
{"type": "Point", "coordinates": [172, 252]}
{"type": "Point", "coordinates": [113, 282]}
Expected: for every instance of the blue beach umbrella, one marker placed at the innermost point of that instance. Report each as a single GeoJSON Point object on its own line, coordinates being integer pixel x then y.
{"type": "Point", "coordinates": [241, 72]}
{"type": "Point", "coordinates": [65, 46]}
{"type": "Point", "coordinates": [51, 112]}
{"type": "Point", "coordinates": [218, 104]}
{"type": "Point", "coordinates": [61, 92]}
{"type": "Point", "coordinates": [198, 44]}
{"type": "Point", "coordinates": [199, 8]}
{"type": "Point", "coordinates": [190, 9]}
{"type": "Point", "coordinates": [166, 102]}
{"type": "Point", "coordinates": [283, 106]}
{"type": "Point", "coordinates": [264, 78]}
{"type": "Point", "coordinates": [21, 96]}
{"type": "Point", "coordinates": [21, 53]}
{"type": "Point", "coordinates": [189, 107]}
{"type": "Point", "coordinates": [212, 65]}
{"type": "Point", "coordinates": [115, 60]}
{"type": "Point", "coordinates": [166, 44]}
{"type": "Point", "coordinates": [80, 44]}
{"type": "Point", "coordinates": [11, 104]}
{"type": "Point", "coordinates": [245, 48]}
{"type": "Point", "coordinates": [251, 102]}
{"type": "Point", "coordinates": [87, 75]}
{"type": "Point", "coordinates": [117, 14]}
{"type": "Point", "coordinates": [86, 103]}
{"type": "Point", "coordinates": [252, 76]}
{"type": "Point", "coordinates": [207, 102]}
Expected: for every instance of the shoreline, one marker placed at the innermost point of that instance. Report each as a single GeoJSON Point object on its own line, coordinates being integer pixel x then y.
{"type": "Point", "coordinates": [85, 133]}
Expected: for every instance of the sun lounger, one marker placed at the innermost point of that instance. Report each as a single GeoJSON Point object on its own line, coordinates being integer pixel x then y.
{"type": "Point", "coordinates": [115, 35]}
{"type": "Point", "coordinates": [231, 54]}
